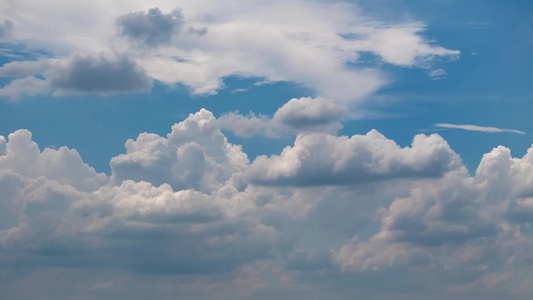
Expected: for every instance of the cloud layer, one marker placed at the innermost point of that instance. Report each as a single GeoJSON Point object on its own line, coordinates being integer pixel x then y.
{"type": "Point", "coordinates": [190, 207]}
{"type": "Point", "coordinates": [317, 45]}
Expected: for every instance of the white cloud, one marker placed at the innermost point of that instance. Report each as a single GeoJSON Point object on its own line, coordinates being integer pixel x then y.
{"type": "Point", "coordinates": [245, 126]}
{"type": "Point", "coordinates": [194, 155]}
{"type": "Point", "coordinates": [321, 159]}
{"type": "Point", "coordinates": [306, 42]}
{"type": "Point", "coordinates": [191, 203]}
{"type": "Point", "coordinates": [310, 114]}
{"type": "Point", "coordinates": [477, 128]}
{"type": "Point", "coordinates": [298, 115]}
{"type": "Point", "coordinates": [23, 156]}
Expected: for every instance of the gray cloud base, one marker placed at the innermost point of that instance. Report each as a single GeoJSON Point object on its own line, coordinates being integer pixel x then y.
{"type": "Point", "coordinates": [152, 28]}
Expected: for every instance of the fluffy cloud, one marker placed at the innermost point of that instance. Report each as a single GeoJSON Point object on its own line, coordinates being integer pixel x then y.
{"type": "Point", "coordinates": [191, 205]}
{"type": "Point", "coordinates": [310, 114]}
{"type": "Point", "coordinates": [456, 224]}
{"type": "Point", "coordinates": [80, 74]}
{"type": "Point", "coordinates": [21, 155]}
{"type": "Point", "coordinates": [152, 28]}
{"type": "Point", "coordinates": [321, 159]}
{"type": "Point", "coordinates": [194, 155]}
{"type": "Point", "coordinates": [58, 211]}
{"type": "Point", "coordinates": [298, 115]}
{"type": "Point", "coordinates": [99, 74]}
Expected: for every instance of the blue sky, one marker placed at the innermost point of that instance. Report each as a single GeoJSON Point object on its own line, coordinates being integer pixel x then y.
{"type": "Point", "coordinates": [257, 150]}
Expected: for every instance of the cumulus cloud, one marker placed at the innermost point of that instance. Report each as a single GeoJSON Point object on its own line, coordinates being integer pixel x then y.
{"type": "Point", "coordinates": [194, 155]}
{"type": "Point", "coordinates": [477, 128]}
{"type": "Point", "coordinates": [80, 74]}
{"type": "Point", "coordinates": [321, 159]}
{"type": "Point", "coordinates": [54, 205]}
{"type": "Point", "coordinates": [191, 203]}
{"type": "Point", "coordinates": [151, 28]}
{"type": "Point", "coordinates": [459, 224]}
{"type": "Point", "coordinates": [21, 155]}
{"type": "Point", "coordinates": [310, 114]}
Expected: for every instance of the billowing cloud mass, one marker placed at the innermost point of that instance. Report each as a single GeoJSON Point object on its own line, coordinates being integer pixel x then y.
{"type": "Point", "coordinates": [191, 204]}
{"type": "Point", "coordinates": [194, 155]}
{"type": "Point", "coordinates": [272, 183]}
{"type": "Point", "coordinates": [317, 45]}
{"type": "Point", "coordinates": [321, 159]}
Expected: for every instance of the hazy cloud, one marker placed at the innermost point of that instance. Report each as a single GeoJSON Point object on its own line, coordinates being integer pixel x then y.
{"type": "Point", "coordinates": [5, 29]}
{"type": "Point", "coordinates": [477, 128]}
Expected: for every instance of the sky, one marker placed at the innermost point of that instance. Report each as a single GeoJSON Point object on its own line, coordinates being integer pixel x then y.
{"type": "Point", "coordinates": [266, 150]}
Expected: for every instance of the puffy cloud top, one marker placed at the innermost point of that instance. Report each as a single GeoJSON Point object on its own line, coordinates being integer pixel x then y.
{"type": "Point", "coordinates": [310, 113]}
{"type": "Point", "coordinates": [320, 159]}
{"type": "Point", "coordinates": [23, 156]}
{"type": "Point", "coordinates": [194, 155]}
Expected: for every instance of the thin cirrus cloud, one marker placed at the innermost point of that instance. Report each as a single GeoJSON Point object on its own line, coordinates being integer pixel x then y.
{"type": "Point", "coordinates": [478, 128]}
{"type": "Point", "coordinates": [99, 74]}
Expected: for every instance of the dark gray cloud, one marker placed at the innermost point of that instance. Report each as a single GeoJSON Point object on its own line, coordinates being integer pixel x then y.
{"type": "Point", "coordinates": [152, 28]}
{"type": "Point", "coordinates": [5, 29]}
{"type": "Point", "coordinates": [99, 74]}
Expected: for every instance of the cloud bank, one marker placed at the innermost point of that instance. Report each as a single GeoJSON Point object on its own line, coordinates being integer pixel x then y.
{"type": "Point", "coordinates": [191, 208]}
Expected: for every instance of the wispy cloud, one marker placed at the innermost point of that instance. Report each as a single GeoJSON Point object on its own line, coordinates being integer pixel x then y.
{"type": "Point", "coordinates": [478, 128]}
